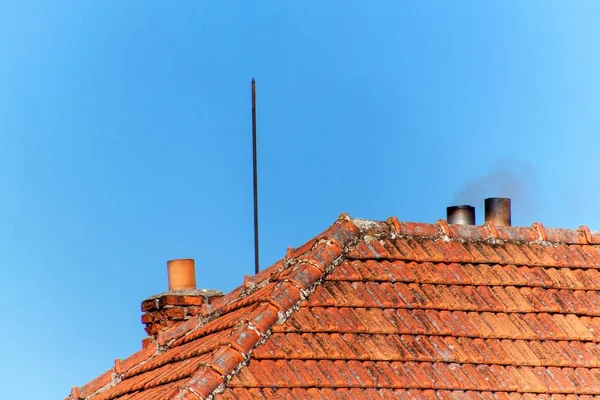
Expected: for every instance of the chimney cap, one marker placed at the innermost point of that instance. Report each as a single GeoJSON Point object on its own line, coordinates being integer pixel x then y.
{"type": "Point", "coordinates": [462, 214]}
{"type": "Point", "coordinates": [497, 211]}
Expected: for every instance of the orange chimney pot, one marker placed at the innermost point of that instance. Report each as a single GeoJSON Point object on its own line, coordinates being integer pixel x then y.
{"type": "Point", "coordinates": [182, 274]}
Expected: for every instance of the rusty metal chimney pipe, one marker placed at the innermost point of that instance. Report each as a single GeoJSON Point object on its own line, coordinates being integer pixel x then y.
{"type": "Point", "coordinates": [182, 274]}
{"type": "Point", "coordinates": [461, 215]}
{"type": "Point", "coordinates": [497, 210]}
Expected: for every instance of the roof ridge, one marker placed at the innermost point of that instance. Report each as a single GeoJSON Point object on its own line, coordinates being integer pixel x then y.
{"type": "Point", "coordinates": [536, 233]}
{"type": "Point", "coordinates": [295, 277]}
{"type": "Point", "coordinates": [306, 268]}
{"type": "Point", "coordinates": [253, 283]}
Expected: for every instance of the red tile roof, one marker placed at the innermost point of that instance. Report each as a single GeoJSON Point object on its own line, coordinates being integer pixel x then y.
{"type": "Point", "coordinates": [390, 310]}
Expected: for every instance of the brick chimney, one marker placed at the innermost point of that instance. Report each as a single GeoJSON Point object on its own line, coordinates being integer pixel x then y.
{"type": "Point", "coordinates": [181, 302]}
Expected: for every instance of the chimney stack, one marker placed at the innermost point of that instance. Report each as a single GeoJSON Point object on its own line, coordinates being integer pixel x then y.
{"type": "Point", "coordinates": [181, 302]}
{"type": "Point", "coordinates": [462, 215]}
{"type": "Point", "coordinates": [497, 210]}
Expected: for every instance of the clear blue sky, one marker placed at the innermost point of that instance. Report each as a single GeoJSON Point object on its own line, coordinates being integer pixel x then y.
{"type": "Point", "coordinates": [125, 142]}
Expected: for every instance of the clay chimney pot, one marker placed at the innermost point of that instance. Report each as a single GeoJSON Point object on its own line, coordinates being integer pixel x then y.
{"type": "Point", "coordinates": [182, 274]}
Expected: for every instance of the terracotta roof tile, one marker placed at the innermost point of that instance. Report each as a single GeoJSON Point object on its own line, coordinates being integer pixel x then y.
{"type": "Point", "coordinates": [401, 249]}
{"type": "Point", "coordinates": [412, 228]}
{"type": "Point", "coordinates": [390, 310]}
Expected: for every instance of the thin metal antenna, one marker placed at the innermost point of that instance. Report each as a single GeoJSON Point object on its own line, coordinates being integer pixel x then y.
{"type": "Point", "coordinates": [255, 172]}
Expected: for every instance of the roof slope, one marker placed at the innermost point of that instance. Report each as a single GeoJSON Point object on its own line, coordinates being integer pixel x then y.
{"type": "Point", "coordinates": [390, 310]}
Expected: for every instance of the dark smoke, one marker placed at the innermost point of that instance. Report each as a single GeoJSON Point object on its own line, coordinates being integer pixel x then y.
{"type": "Point", "coordinates": [516, 181]}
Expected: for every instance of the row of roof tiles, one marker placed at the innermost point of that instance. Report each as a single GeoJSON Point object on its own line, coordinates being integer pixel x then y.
{"type": "Point", "coordinates": [475, 252]}
{"type": "Point", "coordinates": [457, 298]}
{"type": "Point", "coordinates": [417, 375]}
{"type": "Point", "coordinates": [386, 347]}
{"type": "Point", "coordinates": [387, 394]}
{"type": "Point", "coordinates": [543, 326]}
{"type": "Point", "coordinates": [467, 274]}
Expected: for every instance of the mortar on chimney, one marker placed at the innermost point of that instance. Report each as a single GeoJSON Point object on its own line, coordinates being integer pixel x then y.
{"type": "Point", "coordinates": [180, 302]}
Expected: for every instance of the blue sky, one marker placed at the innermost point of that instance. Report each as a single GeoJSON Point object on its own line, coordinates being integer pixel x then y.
{"type": "Point", "coordinates": [125, 142]}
